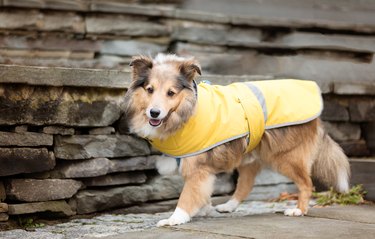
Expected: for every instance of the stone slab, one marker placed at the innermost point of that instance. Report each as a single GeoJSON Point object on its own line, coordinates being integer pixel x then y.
{"type": "Point", "coordinates": [343, 131]}
{"type": "Point", "coordinates": [159, 188]}
{"type": "Point", "coordinates": [362, 109]}
{"type": "Point", "coordinates": [355, 148]}
{"type": "Point", "coordinates": [354, 88]}
{"type": "Point", "coordinates": [102, 131]}
{"type": "Point", "coordinates": [275, 225]}
{"type": "Point", "coordinates": [21, 128]}
{"type": "Point", "coordinates": [34, 190]}
{"type": "Point", "coordinates": [60, 76]}
{"type": "Point", "coordinates": [25, 160]}
{"type": "Point", "coordinates": [58, 130]}
{"type": "Point", "coordinates": [131, 48]}
{"type": "Point", "coordinates": [101, 62]}
{"type": "Point", "coordinates": [27, 53]}
{"type": "Point", "coordinates": [99, 167]}
{"type": "Point", "coordinates": [97, 146]}
{"type": "Point", "coordinates": [60, 106]}
{"type": "Point", "coordinates": [334, 110]}
{"type": "Point", "coordinates": [269, 177]}
{"type": "Point", "coordinates": [124, 25]}
{"type": "Point", "coordinates": [3, 194]}
{"type": "Point", "coordinates": [4, 217]}
{"type": "Point", "coordinates": [325, 71]}
{"type": "Point", "coordinates": [183, 48]}
{"type": "Point", "coordinates": [353, 213]}
{"type": "Point", "coordinates": [42, 21]}
{"type": "Point", "coordinates": [215, 34]}
{"type": "Point", "coordinates": [315, 40]}
{"type": "Point", "coordinates": [60, 207]}
{"type": "Point", "coordinates": [290, 14]}
{"type": "Point", "coordinates": [26, 139]}
{"type": "Point", "coordinates": [116, 179]}
{"type": "Point", "coordinates": [49, 42]}
{"type": "Point", "coordinates": [50, 4]}
{"type": "Point", "coordinates": [267, 192]}
{"type": "Point", "coordinates": [363, 173]}
{"type": "Point", "coordinates": [4, 207]}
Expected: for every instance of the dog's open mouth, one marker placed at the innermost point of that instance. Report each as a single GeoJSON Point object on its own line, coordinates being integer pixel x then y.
{"type": "Point", "coordinates": [155, 122]}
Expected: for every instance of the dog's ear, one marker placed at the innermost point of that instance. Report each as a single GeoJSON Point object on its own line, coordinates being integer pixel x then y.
{"type": "Point", "coordinates": [189, 69]}
{"type": "Point", "coordinates": [141, 65]}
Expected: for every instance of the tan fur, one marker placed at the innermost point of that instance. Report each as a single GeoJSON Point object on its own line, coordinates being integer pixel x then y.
{"type": "Point", "coordinates": [294, 151]}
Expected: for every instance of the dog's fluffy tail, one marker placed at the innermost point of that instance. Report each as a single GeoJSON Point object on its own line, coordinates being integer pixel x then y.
{"type": "Point", "coordinates": [331, 166]}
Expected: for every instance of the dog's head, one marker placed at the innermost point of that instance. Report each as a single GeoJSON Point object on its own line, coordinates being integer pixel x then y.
{"type": "Point", "coordinates": [162, 95]}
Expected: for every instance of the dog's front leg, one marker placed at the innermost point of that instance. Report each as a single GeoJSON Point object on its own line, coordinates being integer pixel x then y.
{"type": "Point", "coordinates": [195, 195]}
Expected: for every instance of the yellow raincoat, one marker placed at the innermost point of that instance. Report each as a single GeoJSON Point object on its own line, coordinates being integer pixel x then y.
{"type": "Point", "coordinates": [225, 113]}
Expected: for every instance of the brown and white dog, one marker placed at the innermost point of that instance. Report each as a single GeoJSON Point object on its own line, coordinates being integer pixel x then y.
{"type": "Point", "coordinates": [162, 98]}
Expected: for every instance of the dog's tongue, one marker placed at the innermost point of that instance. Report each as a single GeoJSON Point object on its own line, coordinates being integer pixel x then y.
{"type": "Point", "coordinates": [155, 122]}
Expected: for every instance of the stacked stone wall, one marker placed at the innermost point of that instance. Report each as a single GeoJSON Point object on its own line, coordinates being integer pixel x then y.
{"type": "Point", "coordinates": [64, 72]}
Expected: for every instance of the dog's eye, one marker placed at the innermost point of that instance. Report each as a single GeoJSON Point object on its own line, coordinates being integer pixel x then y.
{"type": "Point", "coordinates": [150, 90]}
{"type": "Point", "coordinates": [170, 93]}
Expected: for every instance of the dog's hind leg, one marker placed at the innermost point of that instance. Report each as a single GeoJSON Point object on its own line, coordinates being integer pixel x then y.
{"type": "Point", "coordinates": [298, 173]}
{"type": "Point", "coordinates": [195, 195]}
{"type": "Point", "coordinates": [245, 182]}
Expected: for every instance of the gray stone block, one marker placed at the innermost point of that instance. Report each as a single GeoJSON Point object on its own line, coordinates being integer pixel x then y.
{"type": "Point", "coordinates": [215, 34]}
{"type": "Point", "coordinates": [334, 110]}
{"type": "Point", "coordinates": [183, 48]}
{"type": "Point", "coordinates": [50, 4]}
{"type": "Point", "coordinates": [102, 131]}
{"type": "Point", "coordinates": [134, 163]}
{"type": "Point", "coordinates": [25, 160]}
{"type": "Point", "coordinates": [58, 105]}
{"type": "Point", "coordinates": [355, 148]}
{"type": "Point", "coordinates": [159, 188]}
{"type": "Point", "coordinates": [269, 177]}
{"type": "Point", "coordinates": [117, 179]}
{"type": "Point", "coordinates": [80, 169]}
{"type": "Point", "coordinates": [60, 207]}
{"type": "Point", "coordinates": [60, 76]}
{"type": "Point", "coordinates": [354, 88]}
{"type": "Point", "coordinates": [131, 48]}
{"type": "Point", "coordinates": [343, 131]}
{"type": "Point", "coordinates": [362, 172]}
{"type": "Point", "coordinates": [97, 146]}
{"type": "Point", "coordinates": [26, 139]}
{"type": "Point", "coordinates": [58, 130]}
{"type": "Point", "coordinates": [99, 166]}
{"type": "Point", "coordinates": [267, 192]}
{"type": "Point", "coordinates": [362, 109]}
{"type": "Point", "coordinates": [21, 128]}
{"type": "Point", "coordinates": [4, 217]}
{"type": "Point", "coordinates": [42, 21]}
{"type": "Point", "coordinates": [124, 25]}
{"type": "Point", "coordinates": [89, 201]}
{"type": "Point", "coordinates": [34, 190]}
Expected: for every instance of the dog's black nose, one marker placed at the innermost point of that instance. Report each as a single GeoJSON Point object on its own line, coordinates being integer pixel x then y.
{"type": "Point", "coordinates": [154, 113]}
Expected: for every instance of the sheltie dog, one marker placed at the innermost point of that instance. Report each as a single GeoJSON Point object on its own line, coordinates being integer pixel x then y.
{"type": "Point", "coordinates": [163, 97]}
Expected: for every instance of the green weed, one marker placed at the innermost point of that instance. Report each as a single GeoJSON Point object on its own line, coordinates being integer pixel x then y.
{"type": "Point", "coordinates": [354, 196]}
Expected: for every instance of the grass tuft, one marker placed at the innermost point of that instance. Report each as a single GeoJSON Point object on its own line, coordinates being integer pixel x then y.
{"type": "Point", "coordinates": [354, 196]}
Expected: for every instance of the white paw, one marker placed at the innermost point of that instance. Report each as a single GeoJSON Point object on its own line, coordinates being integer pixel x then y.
{"type": "Point", "coordinates": [293, 212]}
{"type": "Point", "coordinates": [229, 206]}
{"type": "Point", "coordinates": [178, 217]}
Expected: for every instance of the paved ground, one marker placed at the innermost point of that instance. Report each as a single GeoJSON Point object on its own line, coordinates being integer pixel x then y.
{"type": "Point", "coordinates": [251, 220]}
